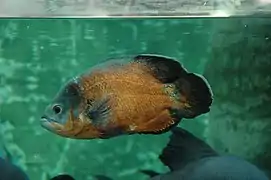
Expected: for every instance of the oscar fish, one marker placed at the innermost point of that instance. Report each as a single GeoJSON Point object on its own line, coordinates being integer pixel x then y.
{"type": "Point", "coordinates": [145, 94]}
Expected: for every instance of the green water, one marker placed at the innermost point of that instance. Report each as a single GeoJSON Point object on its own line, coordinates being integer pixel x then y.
{"type": "Point", "coordinates": [38, 55]}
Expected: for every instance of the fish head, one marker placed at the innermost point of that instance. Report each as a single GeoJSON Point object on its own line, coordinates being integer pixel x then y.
{"type": "Point", "coordinates": [64, 109]}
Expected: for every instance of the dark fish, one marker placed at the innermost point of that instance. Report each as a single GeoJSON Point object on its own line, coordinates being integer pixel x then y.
{"type": "Point", "coordinates": [147, 94]}
{"type": "Point", "coordinates": [9, 171]}
{"type": "Point", "coordinates": [62, 177]}
{"type": "Point", "coordinates": [190, 158]}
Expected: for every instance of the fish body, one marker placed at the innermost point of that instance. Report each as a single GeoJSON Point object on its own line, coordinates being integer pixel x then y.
{"type": "Point", "coordinates": [216, 168]}
{"type": "Point", "coordinates": [9, 171]}
{"type": "Point", "coordinates": [147, 94]}
{"type": "Point", "coordinates": [8, 168]}
{"type": "Point", "coordinates": [190, 158]}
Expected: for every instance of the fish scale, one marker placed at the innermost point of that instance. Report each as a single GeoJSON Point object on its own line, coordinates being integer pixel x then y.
{"type": "Point", "coordinates": [132, 98]}
{"type": "Point", "coordinates": [137, 112]}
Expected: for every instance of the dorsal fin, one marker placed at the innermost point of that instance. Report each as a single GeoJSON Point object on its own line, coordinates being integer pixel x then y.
{"type": "Point", "coordinates": [183, 148]}
{"type": "Point", "coordinates": [163, 68]}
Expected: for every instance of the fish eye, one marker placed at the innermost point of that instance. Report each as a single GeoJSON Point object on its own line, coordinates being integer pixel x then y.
{"type": "Point", "coordinates": [57, 109]}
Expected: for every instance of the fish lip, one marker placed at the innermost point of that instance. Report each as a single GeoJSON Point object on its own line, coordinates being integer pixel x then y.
{"type": "Point", "coordinates": [45, 118]}
{"type": "Point", "coordinates": [47, 123]}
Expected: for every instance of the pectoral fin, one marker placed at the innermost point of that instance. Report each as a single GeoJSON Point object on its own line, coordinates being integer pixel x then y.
{"type": "Point", "coordinates": [158, 125]}
{"type": "Point", "coordinates": [99, 111]}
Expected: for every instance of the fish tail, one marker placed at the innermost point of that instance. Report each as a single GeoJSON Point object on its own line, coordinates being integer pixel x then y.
{"type": "Point", "coordinates": [194, 95]}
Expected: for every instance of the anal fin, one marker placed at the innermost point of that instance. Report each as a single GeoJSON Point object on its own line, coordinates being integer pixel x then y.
{"type": "Point", "coordinates": [161, 123]}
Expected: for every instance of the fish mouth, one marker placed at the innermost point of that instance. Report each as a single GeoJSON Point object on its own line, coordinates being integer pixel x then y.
{"type": "Point", "coordinates": [46, 118]}
{"type": "Point", "coordinates": [49, 124]}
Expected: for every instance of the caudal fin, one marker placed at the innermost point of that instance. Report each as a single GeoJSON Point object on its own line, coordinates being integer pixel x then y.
{"type": "Point", "coordinates": [194, 89]}
{"type": "Point", "coordinates": [195, 94]}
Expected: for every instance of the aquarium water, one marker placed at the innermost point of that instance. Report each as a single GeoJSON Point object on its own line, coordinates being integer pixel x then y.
{"type": "Point", "coordinates": [38, 55]}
